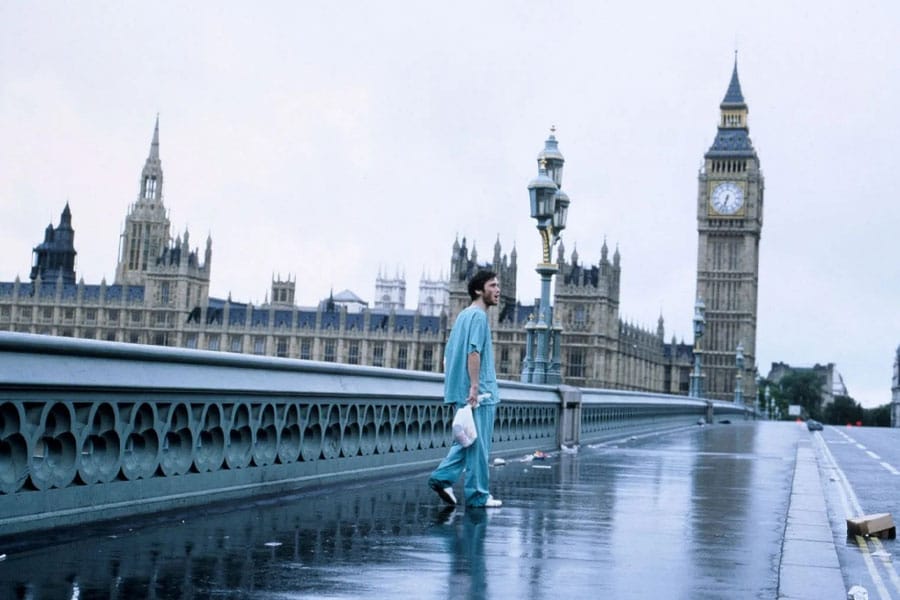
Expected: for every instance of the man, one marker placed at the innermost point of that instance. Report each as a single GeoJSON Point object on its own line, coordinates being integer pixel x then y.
{"type": "Point", "coordinates": [469, 377]}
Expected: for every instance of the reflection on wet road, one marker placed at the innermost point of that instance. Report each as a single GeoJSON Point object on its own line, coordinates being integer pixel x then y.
{"type": "Point", "coordinates": [698, 513]}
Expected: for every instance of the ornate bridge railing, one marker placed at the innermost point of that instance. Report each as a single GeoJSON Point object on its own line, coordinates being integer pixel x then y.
{"type": "Point", "coordinates": [97, 430]}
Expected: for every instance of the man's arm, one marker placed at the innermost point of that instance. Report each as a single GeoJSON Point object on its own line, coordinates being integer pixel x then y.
{"type": "Point", "coordinates": [473, 364]}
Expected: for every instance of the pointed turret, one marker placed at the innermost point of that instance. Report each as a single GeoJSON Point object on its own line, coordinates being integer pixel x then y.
{"type": "Point", "coordinates": [54, 258]}
{"type": "Point", "coordinates": [154, 145]}
{"type": "Point", "coordinates": [734, 96]}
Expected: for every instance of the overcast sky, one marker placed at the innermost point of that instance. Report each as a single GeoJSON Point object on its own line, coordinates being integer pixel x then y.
{"type": "Point", "coordinates": [328, 140]}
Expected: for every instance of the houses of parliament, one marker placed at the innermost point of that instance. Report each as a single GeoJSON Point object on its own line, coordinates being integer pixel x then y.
{"type": "Point", "coordinates": [160, 294]}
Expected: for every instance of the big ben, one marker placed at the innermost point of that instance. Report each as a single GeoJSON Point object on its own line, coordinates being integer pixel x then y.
{"type": "Point", "coordinates": [729, 224]}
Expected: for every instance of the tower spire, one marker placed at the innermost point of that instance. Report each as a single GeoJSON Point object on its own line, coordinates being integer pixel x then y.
{"type": "Point", "coordinates": [152, 175]}
{"type": "Point", "coordinates": [733, 96]}
{"type": "Point", "coordinates": [154, 145]}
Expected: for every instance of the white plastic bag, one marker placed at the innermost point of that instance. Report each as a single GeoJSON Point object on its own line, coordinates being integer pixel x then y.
{"type": "Point", "coordinates": [464, 427]}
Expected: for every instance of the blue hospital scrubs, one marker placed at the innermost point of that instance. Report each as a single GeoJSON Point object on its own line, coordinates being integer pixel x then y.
{"type": "Point", "coordinates": [471, 333]}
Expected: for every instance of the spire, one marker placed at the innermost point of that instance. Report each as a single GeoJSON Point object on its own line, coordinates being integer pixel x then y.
{"type": "Point", "coordinates": [152, 176]}
{"type": "Point", "coordinates": [734, 96]}
{"type": "Point", "coordinates": [154, 145]}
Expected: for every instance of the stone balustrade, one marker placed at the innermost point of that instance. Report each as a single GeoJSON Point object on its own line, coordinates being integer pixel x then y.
{"type": "Point", "coordinates": [97, 430]}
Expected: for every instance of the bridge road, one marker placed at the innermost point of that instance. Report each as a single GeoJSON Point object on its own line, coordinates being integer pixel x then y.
{"type": "Point", "coordinates": [861, 474]}
{"type": "Point", "coordinates": [701, 512]}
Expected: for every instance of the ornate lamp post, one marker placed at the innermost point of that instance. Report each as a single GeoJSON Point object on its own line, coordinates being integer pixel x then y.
{"type": "Point", "coordinates": [549, 207]}
{"type": "Point", "coordinates": [739, 378]}
{"type": "Point", "coordinates": [699, 326]}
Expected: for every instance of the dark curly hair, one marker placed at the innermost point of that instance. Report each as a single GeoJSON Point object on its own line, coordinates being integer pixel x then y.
{"type": "Point", "coordinates": [476, 284]}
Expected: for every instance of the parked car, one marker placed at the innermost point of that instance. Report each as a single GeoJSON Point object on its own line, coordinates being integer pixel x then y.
{"type": "Point", "coordinates": [813, 425]}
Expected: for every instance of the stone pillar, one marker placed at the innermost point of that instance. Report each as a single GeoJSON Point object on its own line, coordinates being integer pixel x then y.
{"type": "Point", "coordinates": [569, 415]}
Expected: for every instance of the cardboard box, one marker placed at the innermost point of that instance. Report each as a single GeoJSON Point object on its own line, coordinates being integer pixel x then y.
{"type": "Point", "coordinates": [880, 524]}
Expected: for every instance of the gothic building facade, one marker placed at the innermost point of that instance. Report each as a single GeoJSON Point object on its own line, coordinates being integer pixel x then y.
{"type": "Point", "coordinates": [161, 294]}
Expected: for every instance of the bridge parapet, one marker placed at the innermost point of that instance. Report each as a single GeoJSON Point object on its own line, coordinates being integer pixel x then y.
{"type": "Point", "coordinates": [95, 430]}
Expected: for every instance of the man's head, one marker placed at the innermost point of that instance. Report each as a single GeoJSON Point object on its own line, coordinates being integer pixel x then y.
{"type": "Point", "coordinates": [484, 285]}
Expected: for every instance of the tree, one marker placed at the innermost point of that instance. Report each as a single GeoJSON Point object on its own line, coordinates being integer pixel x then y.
{"type": "Point", "coordinates": [843, 410]}
{"type": "Point", "coordinates": [803, 387]}
{"type": "Point", "coordinates": [879, 416]}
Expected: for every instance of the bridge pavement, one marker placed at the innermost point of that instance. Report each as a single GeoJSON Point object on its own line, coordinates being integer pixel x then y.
{"type": "Point", "coordinates": [718, 511]}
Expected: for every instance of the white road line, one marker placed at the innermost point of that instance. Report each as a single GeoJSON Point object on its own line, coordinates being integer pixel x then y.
{"type": "Point", "coordinates": [890, 468]}
{"type": "Point", "coordinates": [860, 446]}
{"type": "Point", "coordinates": [852, 508]}
{"type": "Point", "coordinates": [883, 592]}
{"type": "Point", "coordinates": [873, 455]}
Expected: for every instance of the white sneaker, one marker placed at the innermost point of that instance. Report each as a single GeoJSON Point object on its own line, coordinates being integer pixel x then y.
{"type": "Point", "coordinates": [493, 503]}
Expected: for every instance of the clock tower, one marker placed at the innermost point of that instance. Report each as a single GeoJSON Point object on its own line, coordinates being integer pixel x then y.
{"type": "Point", "coordinates": [729, 224]}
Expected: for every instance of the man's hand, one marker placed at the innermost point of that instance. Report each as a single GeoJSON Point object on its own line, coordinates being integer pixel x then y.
{"type": "Point", "coordinates": [473, 396]}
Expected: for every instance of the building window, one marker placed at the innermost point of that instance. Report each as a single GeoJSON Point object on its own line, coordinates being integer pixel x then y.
{"type": "Point", "coordinates": [580, 315]}
{"type": "Point", "coordinates": [401, 356]}
{"type": "Point", "coordinates": [329, 351]}
{"type": "Point", "coordinates": [134, 338]}
{"type": "Point", "coordinates": [237, 343]}
{"type": "Point", "coordinates": [110, 336]}
{"type": "Point", "coordinates": [90, 315]}
{"type": "Point", "coordinates": [213, 342]}
{"type": "Point", "coordinates": [89, 334]}
{"type": "Point", "coordinates": [161, 339]}
{"type": "Point", "coordinates": [353, 353]}
{"type": "Point", "coordinates": [428, 358]}
{"type": "Point", "coordinates": [161, 318]}
{"type": "Point", "coordinates": [47, 314]}
{"type": "Point", "coordinates": [306, 349]}
{"type": "Point", "coordinates": [281, 347]}
{"type": "Point", "coordinates": [504, 360]}
{"type": "Point", "coordinates": [112, 315]}
{"type": "Point", "coordinates": [5, 312]}
{"type": "Point", "coordinates": [259, 345]}
{"type": "Point", "coordinates": [25, 314]}
{"type": "Point", "coordinates": [164, 293]}
{"type": "Point", "coordinates": [575, 364]}
{"type": "Point", "coordinates": [69, 314]}
{"type": "Point", "coordinates": [135, 316]}
{"type": "Point", "coordinates": [378, 354]}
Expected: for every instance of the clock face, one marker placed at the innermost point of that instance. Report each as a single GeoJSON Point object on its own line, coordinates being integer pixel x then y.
{"type": "Point", "coordinates": [727, 198]}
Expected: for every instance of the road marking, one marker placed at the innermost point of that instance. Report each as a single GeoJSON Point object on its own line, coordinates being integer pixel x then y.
{"type": "Point", "coordinates": [860, 446]}
{"type": "Point", "coordinates": [852, 507]}
{"type": "Point", "coordinates": [873, 571]}
{"type": "Point", "coordinates": [886, 559]}
{"type": "Point", "coordinates": [873, 455]}
{"type": "Point", "coordinates": [890, 468]}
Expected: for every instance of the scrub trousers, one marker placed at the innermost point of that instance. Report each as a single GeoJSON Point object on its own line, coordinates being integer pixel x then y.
{"type": "Point", "coordinates": [473, 459]}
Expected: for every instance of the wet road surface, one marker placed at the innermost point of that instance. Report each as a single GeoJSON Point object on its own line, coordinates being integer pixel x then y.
{"type": "Point", "coordinates": [696, 513]}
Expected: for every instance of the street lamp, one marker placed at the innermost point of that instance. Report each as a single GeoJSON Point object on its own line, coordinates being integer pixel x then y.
{"type": "Point", "coordinates": [549, 207]}
{"type": "Point", "coordinates": [739, 384]}
{"type": "Point", "coordinates": [699, 326]}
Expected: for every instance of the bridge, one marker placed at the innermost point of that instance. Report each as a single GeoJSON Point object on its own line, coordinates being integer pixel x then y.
{"type": "Point", "coordinates": [234, 473]}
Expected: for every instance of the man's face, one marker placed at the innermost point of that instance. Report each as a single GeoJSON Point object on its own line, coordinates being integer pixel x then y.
{"type": "Point", "coordinates": [491, 293]}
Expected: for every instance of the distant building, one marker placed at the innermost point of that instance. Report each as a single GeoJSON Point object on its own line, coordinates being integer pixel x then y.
{"type": "Point", "coordinates": [390, 292]}
{"type": "Point", "coordinates": [832, 383]}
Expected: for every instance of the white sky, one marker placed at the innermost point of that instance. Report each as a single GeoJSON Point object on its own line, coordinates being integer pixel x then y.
{"type": "Point", "coordinates": [327, 140]}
